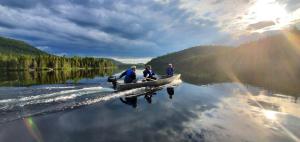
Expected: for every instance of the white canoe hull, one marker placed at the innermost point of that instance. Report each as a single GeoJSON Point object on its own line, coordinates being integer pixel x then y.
{"type": "Point", "coordinates": [156, 83]}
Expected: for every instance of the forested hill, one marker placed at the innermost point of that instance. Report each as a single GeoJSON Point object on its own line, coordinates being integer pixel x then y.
{"type": "Point", "coordinates": [272, 62]}
{"type": "Point", "coordinates": [12, 46]}
{"type": "Point", "coordinates": [18, 55]}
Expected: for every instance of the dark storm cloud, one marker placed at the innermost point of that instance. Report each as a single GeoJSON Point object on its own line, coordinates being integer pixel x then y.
{"type": "Point", "coordinates": [28, 4]}
{"type": "Point", "coordinates": [6, 25]}
{"type": "Point", "coordinates": [110, 21]}
{"type": "Point", "coordinates": [80, 27]}
{"type": "Point", "coordinates": [49, 3]}
{"type": "Point", "coordinates": [19, 3]}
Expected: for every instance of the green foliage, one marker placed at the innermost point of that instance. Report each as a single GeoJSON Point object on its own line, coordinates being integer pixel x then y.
{"type": "Point", "coordinates": [46, 62]}
{"type": "Point", "coordinates": [17, 47]}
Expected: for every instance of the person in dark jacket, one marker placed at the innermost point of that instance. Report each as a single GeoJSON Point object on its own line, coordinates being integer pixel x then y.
{"type": "Point", "coordinates": [130, 75]}
{"type": "Point", "coordinates": [149, 74]}
{"type": "Point", "coordinates": [170, 70]}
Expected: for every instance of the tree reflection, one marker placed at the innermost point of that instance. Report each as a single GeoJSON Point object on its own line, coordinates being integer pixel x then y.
{"type": "Point", "coordinates": [25, 78]}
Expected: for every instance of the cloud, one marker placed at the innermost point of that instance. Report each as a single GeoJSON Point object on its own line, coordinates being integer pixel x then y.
{"type": "Point", "coordinates": [291, 5]}
{"type": "Point", "coordinates": [260, 25]}
{"type": "Point", "coordinates": [162, 1]}
{"type": "Point", "coordinates": [62, 31]}
{"type": "Point", "coordinates": [138, 28]}
{"type": "Point", "coordinates": [19, 4]}
{"type": "Point", "coordinates": [234, 17]}
{"type": "Point", "coordinates": [223, 13]}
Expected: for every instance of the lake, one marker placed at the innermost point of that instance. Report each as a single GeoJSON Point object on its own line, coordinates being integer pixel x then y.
{"type": "Point", "coordinates": [82, 106]}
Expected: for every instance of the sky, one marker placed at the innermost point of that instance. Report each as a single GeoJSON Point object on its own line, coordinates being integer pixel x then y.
{"type": "Point", "coordinates": [137, 30]}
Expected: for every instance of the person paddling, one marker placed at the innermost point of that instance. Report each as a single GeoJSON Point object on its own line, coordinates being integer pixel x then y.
{"type": "Point", "coordinates": [130, 75]}
{"type": "Point", "coordinates": [149, 74]}
{"type": "Point", "coordinates": [170, 70]}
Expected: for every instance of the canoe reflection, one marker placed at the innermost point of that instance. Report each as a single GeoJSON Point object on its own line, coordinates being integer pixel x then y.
{"type": "Point", "coordinates": [148, 98]}
{"type": "Point", "coordinates": [132, 101]}
{"type": "Point", "coordinates": [132, 98]}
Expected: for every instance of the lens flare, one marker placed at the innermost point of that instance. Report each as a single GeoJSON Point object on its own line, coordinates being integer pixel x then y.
{"type": "Point", "coordinates": [33, 129]}
{"type": "Point", "coordinates": [268, 114]}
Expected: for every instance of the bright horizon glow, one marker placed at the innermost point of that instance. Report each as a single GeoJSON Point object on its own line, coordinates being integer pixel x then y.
{"type": "Point", "coordinates": [132, 60]}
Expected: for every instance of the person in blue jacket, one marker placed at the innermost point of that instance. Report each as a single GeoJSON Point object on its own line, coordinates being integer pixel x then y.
{"type": "Point", "coordinates": [130, 75]}
{"type": "Point", "coordinates": [170, 70]}
{"type": "Point", "coordinates": [149, 74]}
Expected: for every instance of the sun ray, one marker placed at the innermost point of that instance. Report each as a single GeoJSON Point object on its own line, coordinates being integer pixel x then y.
{"type": "Point", "coordinates": [293, 39]}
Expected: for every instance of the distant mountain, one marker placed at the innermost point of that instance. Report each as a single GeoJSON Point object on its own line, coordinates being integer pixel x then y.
{"type": "Point", "coordinates": [12, 46]}
{"type": "Point", "coordinates": [272, 62]}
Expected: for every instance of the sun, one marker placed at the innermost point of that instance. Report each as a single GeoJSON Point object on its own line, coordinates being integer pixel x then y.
{"type": "Point", "coordinates": [268, 10]}
{"type": "Point", "coordinates": [271, 115]}
{"type": "Point", "coordinates": [271, 10]}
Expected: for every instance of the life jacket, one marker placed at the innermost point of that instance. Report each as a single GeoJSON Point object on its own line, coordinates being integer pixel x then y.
{"type": "Point", "coordinates": [148, 73]}
{"type": "Point", "coordinates": [130, 76]}
{"type": "Point", "coordinates": [129, 72]}
{"type": "Point", "coordinates": [170, 71]}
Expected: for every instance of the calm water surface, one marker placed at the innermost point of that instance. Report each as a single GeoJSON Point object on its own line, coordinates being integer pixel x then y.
{"type": "Point", "coordinates": [91, 111]}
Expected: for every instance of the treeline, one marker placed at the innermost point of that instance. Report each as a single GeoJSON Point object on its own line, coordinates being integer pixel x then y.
{"type": "Point", "coordinates": [50, 62]}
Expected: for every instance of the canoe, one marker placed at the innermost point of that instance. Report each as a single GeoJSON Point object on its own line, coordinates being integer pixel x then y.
{"type": "Point", "coordinates": [161, 81]}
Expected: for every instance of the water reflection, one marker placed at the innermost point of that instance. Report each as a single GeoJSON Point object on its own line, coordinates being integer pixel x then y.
{"type": "Point", "coordinates": [288, 88]}
{"type": "Point", "coordinates": [219, 112]}
{"type": "Point", "coordinates": [170, 91]}
{"type": "Point", "coordinates": [26, 78]}
{"type": "Point", "coordinates": [131, 99]}
{"type": "Point", "coordinates": [148, 97]}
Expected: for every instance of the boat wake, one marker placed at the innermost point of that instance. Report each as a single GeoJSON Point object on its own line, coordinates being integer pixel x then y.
{"type": "Point", "coordinates": [44, 99]}
{"type": "Point", "coordinates": [20, 107]}
{"type": "Point", "coordinates": [47, 98]}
